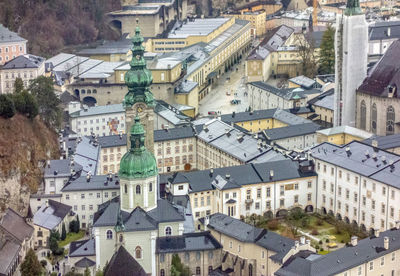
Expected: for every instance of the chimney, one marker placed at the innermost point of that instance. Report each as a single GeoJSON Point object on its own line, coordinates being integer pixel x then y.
{"type": "Point", "coordinates": [47, 203]}
{"type": "Point", "coordinates": [302, 240]}
{"type": "Point", "coordinates": [374, 143]}
{"type": "Point", "coordinates": [308, 242]}
{"type": "Point", "coordinates": [227, 176]}
{"type": "Point", "coordinates": [354, 241]}
{"type": "Point", "coordinates": [88, 177]}
{"type": "Point", "coordinates": [48, 163]}
{"type": "Point", "coordinates": [271, 174]}
{"type": "Point", "coordinates": [388, 31]}
{"type": "Point", "coordinates": [206, 222]}
{"type": "Point", "coordinates": [296, 245]}
{"type": "Point", "coordinates": [398, 225]}
{"type": "Point", "coordinates": [211, 171]}
{"type": "Point", "coordinates": [376, 233]}
{"type": "Point", "coordinates": [386, 243]}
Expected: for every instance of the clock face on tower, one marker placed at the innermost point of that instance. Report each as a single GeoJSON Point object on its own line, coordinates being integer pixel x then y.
{"type": "Point", "coordinates": [139, 107]}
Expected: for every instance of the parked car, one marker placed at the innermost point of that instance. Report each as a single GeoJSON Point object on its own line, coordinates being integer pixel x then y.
{"type": "Point", "coordinates": [212, 113]}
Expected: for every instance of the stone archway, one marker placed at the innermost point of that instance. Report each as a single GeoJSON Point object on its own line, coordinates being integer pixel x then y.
{"type": "Point", "coordinates": [281, 213]}
{"type": "Point", "coordinates": [76, 93]}
{"type": "Point", "coordinates": [323, 210]}
{"type": "Point", "coordinates": [330, 213]}
{"type": "Point", "coordinates": [363, 228]}
{"type": "Point", "coordinates": [116, 25]}
{"type": "Point", "coordinates": [347, 220]}
{"type": "Point", "coordinates": [309, 209]}
{"type": "Point", "coordinates": [89, 101]}
{"type": "Point", "coordinates": [268, 214]}
{"type": "Point", "coordinates": [339, 217]}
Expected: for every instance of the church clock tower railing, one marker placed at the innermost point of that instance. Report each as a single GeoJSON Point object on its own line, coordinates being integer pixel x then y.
{"type": "Point", "coordinates": [139, 99]}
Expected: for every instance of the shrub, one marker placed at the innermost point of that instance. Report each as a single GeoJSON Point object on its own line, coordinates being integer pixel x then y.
{"type": "Point", "coordinates": [7, 107]}
{"type": "Point", "coordinates": [317, 247]}
{"type": "Point", "coordinates": [321, 249]}
{"type": "Point", "coordinates": [320, 242]}
{"type": "Point", "coordinates": [273, 224]}
{"type": "Point", "coordinates": [319, 222]}
{"type": "Point", "coordinates": [314, 232]}
{"type": "Point", "coordinates": [327, 240]}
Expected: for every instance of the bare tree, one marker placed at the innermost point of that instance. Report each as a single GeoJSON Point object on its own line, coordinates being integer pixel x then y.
{"type": "Point", "coordinates": [307, 54]}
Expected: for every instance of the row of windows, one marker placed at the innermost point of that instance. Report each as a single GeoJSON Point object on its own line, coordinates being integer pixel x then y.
{"type": "Point", "coordinates": [138, 188]}
{"type": "Point", "coordinates": [177, 149]}
{"type": "Point", "coordinates": [91, 195]}
{"type": "Point", "coordinates": [390, 117]}
{"type": "Point", "coordinates": [103, 120]}
{"type": "Point", "coordinates": [13, 49]}
{"type": "Point", "coordinates": [18, 75]}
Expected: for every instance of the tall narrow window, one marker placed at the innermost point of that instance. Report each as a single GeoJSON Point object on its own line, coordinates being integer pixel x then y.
{"type": "Point", "coordinates": [109, 234]}
{"type": "Point", "coordinates": [138, 189]}
{"type": "Point", "coordinates": [390, 118]}
{"type": "Point", "coordinates": [138, 252]}
{"type": "Point", "coordinates": [150, 187]}
{"type": "Point", "coordinates": [125, 189]}
{"type": "Point", "coordinates": [363, 115]}
{"type": "Point", "coordinates": [168, 231]}
{"type": "Point", "coordinates": [373, 118]}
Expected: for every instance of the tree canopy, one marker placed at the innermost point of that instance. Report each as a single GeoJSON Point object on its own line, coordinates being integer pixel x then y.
{"type": "Point", "coordinates": [177, 268]}
{"type": "Point", "coordinates": [31, 265]}
{"type": "Point", "coordinates": [327, 52]}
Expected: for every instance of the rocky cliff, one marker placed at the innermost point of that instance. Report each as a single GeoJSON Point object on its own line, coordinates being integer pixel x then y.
{"type": "Point", "coordinates": [24, 146]}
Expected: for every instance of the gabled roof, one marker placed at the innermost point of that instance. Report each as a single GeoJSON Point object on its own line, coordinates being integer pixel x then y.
{"type": "Point", "coordinates": [109, 141]}
{"type": "Point", "coordinates": [84, 263]}
{"type": "Point", "coordinates": [380, 30]}
{"type": "Point", "coordinates": [24, 61]}
{"type": "Point", "coordinates": [165, 212]}
{"type": "Point", "coordinates": [173, 133]}
{"type": "Point", "coordinates": [7, 36]}
{"type": "Point", "coordinates": [290, 131]}
{"type": "Point", "coordinates": [123, 264]}
{"type": "Point", "coordinates": [187, 242]}
{"type": "Point", "coordinates": [51, 215]}
{"type": "Point", "coordinates": [235, 228]}
{"type": "Point", "coordinates": [139, 220]}
{"type": "Point", "coordinates": [385, 142]}
{"type": "Point", "coordinates": [60, 168]}
{"type": "Point", "coordinates": [82, 248]}
{"type": "Point", "coordinates": [286, 93]}
{"type": "Point", "coordinates": [9, 251]}
{"type": "Point", "coordinates": [16, 225]}
{"type": "Point", "coordinates": [98, 110]}
{"type": "Point", "coordinates": [96, 182]}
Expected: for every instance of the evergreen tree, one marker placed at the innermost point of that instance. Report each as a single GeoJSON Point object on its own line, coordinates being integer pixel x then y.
{"type": "Point", "coordinates": [327, 52]}
{"type": "Point", "coordinates": [26, 104]}
{"type": "Point", "coordinates": [7, 107]}
{"type": "Point", "coordinates": [63, 232]}
{"type": "Point", "coordinates": [87, 272]}
{"type": "Point", "coordinates": [53, 242]}
{"type": "Point", "coordinates": [31, 265]}
{"type": "Point", "coordinates": [18, 85]}
{"type": "Point", "coordinates": [77, 224]}
{"type": "Point", "coordinates": [49, 110]}
{"type": "Point", "coordinates": [177, 268]}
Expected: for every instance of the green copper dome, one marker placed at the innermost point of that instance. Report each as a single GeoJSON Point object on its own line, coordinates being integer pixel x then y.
{"type": "Point", "coordinates": [138, 78]}
{"type": "Point", "coordinates": [138, 162]}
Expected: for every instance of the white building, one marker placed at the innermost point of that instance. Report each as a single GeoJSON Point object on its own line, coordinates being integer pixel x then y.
{"type": "Point", "coordinates": [358, 183]}
{"type": "Point", "coordinates": [57, 173]}
{"type": "Point", "coordinates": [98, 120]}
{"type": "Point", "coordinates": [351, 46]}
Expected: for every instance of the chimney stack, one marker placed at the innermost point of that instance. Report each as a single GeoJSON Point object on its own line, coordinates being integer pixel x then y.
{"type": "Point", "coordinates": [376, 233]}
{"type": "Point", "coordinates": [354, 241]}
{"type": "Point", "coordinates": [386, 243]}
{"type": "Point", "coordinates": [398, 225]}
{"type": "Point", "coordinates": [302, 240]}
{"type": "Point", "coordinates": [296, 245]}
{"type": "Point", "coordinates": [271, 174]}
{"type": "Point", "coordinates": [47, 203]}
{"type": "Point", "coordinates": [227, 176]}
{"type": "Point", "coordinates": [206, 222]}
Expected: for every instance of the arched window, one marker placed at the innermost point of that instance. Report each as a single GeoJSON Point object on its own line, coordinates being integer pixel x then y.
{"type": "Point", "coordinates": [374, 116]}
{"type": "Point", "coordinates": [168, 231]}
{"type": "Point", "coordinates": [250, 270]}
{"type": "Point", "coordinates": [125, 189]}
{"type": "Point", "coordinates": [198, 271]}
{"type": "Point", "coordinates": [121, 238]}
{"type": "Point", "coordinates": [210, 269]}
{"type": "Point", "coordinates": [109, 234]}
{"type": "Point", "coordinates": [162, 272]}
{"type": "Point", "coordinates": [210, 255]}
{"type": "Point", "coordinates": [198, 255]}
{"type": "Point", "coordinates": [138, 252]}
{"type": "Point", "coordinates": [150, 187]}
{"type": "Point", "coordinates": [138, 189]}
{"type": "Point", "coordinates": [94, 91]}
{"type": "Point", "coordinates": [187, 257]}
{"type": "Point", "coordinates": [390, 119]}
{"type": "Point", "coordinates": [83, 91]}
{"type": "Point", "coordinates": [363, 115]}
{"type": "Point", "coordinates": [89, 91]}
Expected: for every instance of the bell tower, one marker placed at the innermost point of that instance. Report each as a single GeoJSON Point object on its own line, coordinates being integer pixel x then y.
{"type": "Point", "coordinates": [138, 173]}
{"type": "Point", "coordinates": [139, 99]}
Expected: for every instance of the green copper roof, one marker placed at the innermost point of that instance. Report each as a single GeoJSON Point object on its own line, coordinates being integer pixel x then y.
{"type": "Point", "coordinates": [138, 162]}
{"type": "Point", "coordinates": [353, 7]}
{"type": "Point", "coordinates": [138, 78]}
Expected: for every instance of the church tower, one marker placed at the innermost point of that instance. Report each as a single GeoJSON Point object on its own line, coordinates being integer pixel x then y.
{"type": "Point", "coordinates": [138, 173]}
{"type": "Point", "coordinates": [351, 44]}
{"type": "Point", "coordinates": [139, 99]}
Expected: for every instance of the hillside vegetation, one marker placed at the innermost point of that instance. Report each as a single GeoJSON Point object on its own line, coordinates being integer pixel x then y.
{"type": "Point", "coordinates": [51, 25]}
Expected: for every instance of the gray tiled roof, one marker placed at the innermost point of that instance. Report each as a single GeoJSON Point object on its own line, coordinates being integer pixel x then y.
{"type": "Point", "coordinates": [290, 131]}
{"type": "Point", "coordinates": [326, 101]}
{"type": "Point", "coordinates": [96, 182]}
{"type": "Point", "coordinates": [99, 110]}
{"type": "Point", "coordinates": [139, 220]}
{"type": "Point", "coordinates": [61, 168]}
{"type": "Point", "coordinates": [187, 242]}
{"type": "Point", "coordinates": [8, 254]}
{"type": "Point", "coordinates": [85, 263]}
{"type": "Point", "coordinates": [379, 30]}
{"type": "Point", "coordinates": [123, 264]}
{"type": "Point", "coordinates": [342, 259]}
{"type": "Point", "coordinates": [356, 160]}
{"type": "Point", "coordinates": [385, 142]}
{"type": "Point", "coordinates": [16, 225]}
{"type": "Point", "coordinates": [276, 243]}
{"type": "Point", "coordinates": [82, 248]}
{"type": "Point", "coordinates": [165, 212]}
{"type": "Point", "coordinates": [86, 155]}
{"type": "Point", "coordinates": [286, 93]}
{"type": "Point", "coordinates": [8, 36]}
{"type": "Point", "coordinates": [24, 61]}
{"type": "Point", "coordinates": [112, 141]}
{"type": "Point", "coordinates": [52, 215]}
{"type": "Point", "coordinates": [173, 133]}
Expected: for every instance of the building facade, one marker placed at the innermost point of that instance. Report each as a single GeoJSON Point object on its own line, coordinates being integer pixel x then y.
{"type": "Point", "coordinates": [11, 45]}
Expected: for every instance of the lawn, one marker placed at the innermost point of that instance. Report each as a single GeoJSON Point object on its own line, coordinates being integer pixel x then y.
{"type": "Point", "coordinates": [324, 252]}
{"type": "Point", "coordinates": [71, 236]}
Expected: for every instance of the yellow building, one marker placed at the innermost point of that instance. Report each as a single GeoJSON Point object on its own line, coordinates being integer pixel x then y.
{"type": "Point", "coordinates": [257, 19]}
{"type": "Point", "coordinates": [342, 135]}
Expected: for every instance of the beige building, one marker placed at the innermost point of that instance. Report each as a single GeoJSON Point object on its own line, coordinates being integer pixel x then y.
{"type": "Point", "coordinates": [378, 103]}
{"type": "Point", "coordinates": [154, 17]}
{"type": "Point", "coordinates": [175, 149]}
{"type": "Point", "coordinates": [112, 148]}
{"type": "Point", "coordinates": [50, 217]}
{"type": "Point", "coordinates": [342, 135]}
{"type": "Point", "coordinates": [257, 19]}
{"type": "Point", "coordinates": [249, 250]}
{"type": "Point", "coordinates": [25, 67]}
{"type": "Point", "coordinates": [323, 108]}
